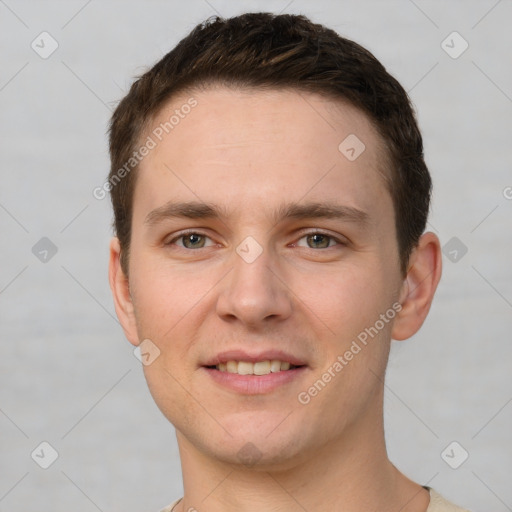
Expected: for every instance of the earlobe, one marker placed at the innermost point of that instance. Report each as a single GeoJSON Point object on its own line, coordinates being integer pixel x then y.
{"type": "Point", "coordinates": [120, 287]}
{"type": "Point", "coordinates": [419, 286]}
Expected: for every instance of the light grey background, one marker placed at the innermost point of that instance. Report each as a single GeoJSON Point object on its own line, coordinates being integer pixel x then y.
{"type": "Point", "coordinates": [70, 378]}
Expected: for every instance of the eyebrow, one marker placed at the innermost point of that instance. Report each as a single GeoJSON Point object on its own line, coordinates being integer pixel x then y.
{"type": "Point", "coordinates": [298, 211]}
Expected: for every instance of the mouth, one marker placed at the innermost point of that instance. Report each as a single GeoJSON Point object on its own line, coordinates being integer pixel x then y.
{"type": "Point", "coordinates": [254, 374]}
{"type": "Point", "coordinates": [254, 368]}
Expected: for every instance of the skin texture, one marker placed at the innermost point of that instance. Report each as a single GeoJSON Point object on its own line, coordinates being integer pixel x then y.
{"type": "Point", "coordinates": [249, 152]}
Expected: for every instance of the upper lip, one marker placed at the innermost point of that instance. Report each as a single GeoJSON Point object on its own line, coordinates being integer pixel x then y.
{"type": "Point", "coordinates": [242, 355]}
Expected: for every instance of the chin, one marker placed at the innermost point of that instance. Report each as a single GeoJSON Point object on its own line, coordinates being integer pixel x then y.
{"type": "Point", "coordinates": [257, 450]}
{"type": "Point", "coordinates": [258, 457]}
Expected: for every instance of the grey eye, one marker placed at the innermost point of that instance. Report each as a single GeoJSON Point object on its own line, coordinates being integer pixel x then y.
{"type": "Point", "coordinates": [318, 241]}
{"type": "Point", "coordinates": [193, 240]}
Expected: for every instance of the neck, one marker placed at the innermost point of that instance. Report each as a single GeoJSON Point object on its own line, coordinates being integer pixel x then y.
{"type": "Point", "coordinates": [350, 473]}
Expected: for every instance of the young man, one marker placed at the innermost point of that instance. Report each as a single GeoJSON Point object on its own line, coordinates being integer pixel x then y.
{"type": "Point", "coordinates": [270, 199]}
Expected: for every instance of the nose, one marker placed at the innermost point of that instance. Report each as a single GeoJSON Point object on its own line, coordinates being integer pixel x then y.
{"type": "Point", "coordinates": [254, 293]}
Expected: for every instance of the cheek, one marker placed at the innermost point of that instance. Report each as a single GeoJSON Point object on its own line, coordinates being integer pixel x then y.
{"type": "Point", "coordinates": [346, 300]}
{"type": "Point", "coordinates": [164, 295]}
{"type": "Point", "coordinates": [355, 340]}
{"type": "Point", "coordinates": [167, 303]}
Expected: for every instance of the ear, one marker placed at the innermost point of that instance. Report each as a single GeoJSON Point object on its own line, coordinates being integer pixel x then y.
{"type": "Point", "coordinates": [120, 287]}
{"type": "Point", "coordinates": [419, 287]}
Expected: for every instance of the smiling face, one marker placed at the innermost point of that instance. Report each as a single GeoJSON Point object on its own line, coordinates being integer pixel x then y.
{"type": "Point", "coordinates": [255, 238]}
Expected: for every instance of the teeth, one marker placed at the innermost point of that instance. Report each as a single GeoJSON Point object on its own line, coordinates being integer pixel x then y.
{"type": "Point", "coordinates": [245, 368]}
{"type": "Point", "coordinates": [258, 368]}
{"type": "Point", "coordinates": [231, 366]}
{"type": "Point", "coordinates": [275, 366]}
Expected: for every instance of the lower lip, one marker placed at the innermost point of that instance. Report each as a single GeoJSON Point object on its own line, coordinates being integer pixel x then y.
{"type": "Point", "coordinates": [255, 384]}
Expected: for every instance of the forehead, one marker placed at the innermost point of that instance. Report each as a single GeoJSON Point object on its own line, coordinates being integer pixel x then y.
{"type": "Point", "coordinates": [249, 147]}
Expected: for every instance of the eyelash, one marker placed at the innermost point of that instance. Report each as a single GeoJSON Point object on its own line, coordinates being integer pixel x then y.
{"type": "Point", "coordinates": [309, 233]}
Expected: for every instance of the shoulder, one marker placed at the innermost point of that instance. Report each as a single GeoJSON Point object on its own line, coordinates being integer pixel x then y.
{"type": "Point", "coordinates": [437, 504]}
{"type": "Point", "coordinates": [440, 504]}
{"type": "Point", "coordinates": [171, 506]}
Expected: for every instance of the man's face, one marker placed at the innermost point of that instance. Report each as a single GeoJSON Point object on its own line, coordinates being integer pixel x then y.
{"type": "Point", "coordinates": [267, 277]}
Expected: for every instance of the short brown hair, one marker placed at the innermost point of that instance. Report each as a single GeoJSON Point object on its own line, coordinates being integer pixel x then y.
{"type": "Point", "coordinates": [264, 50]}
